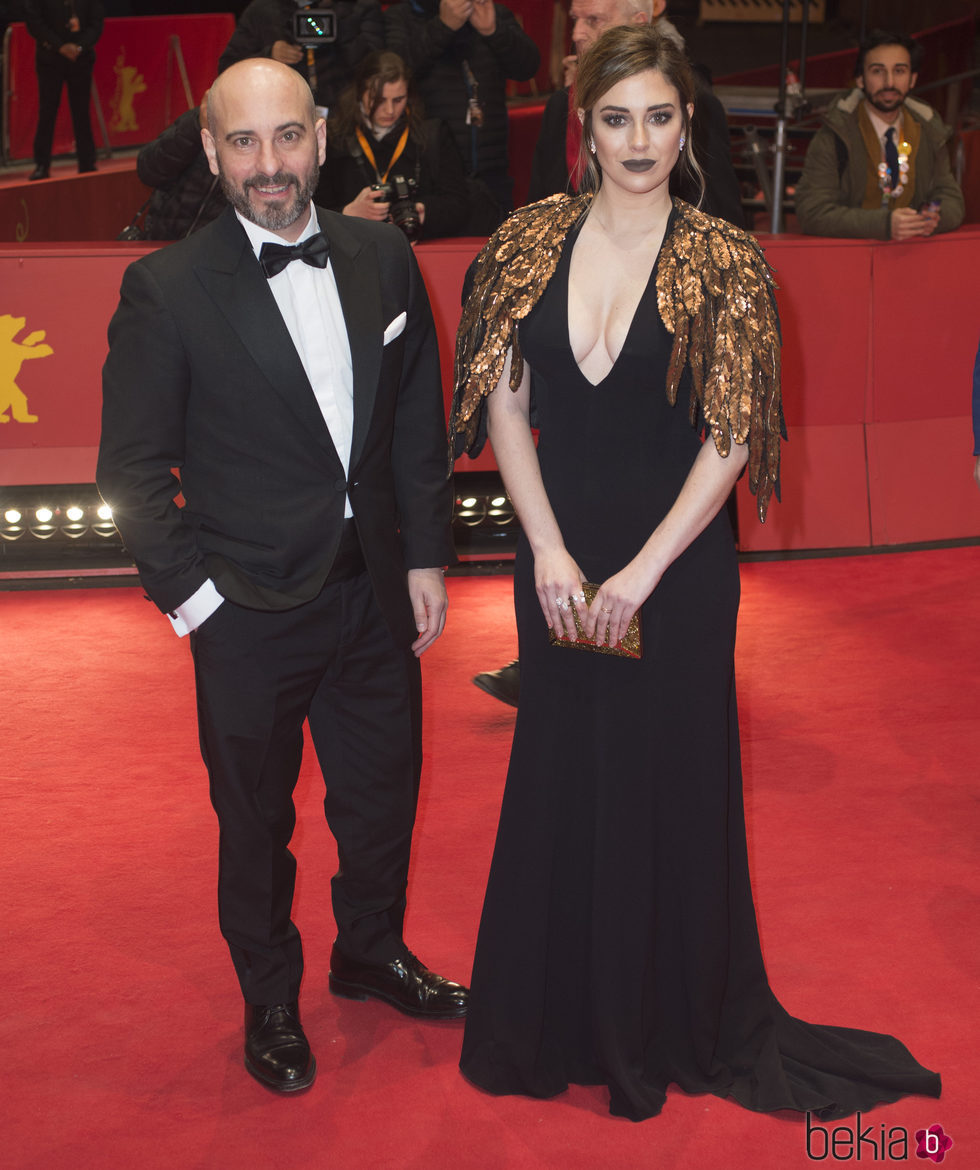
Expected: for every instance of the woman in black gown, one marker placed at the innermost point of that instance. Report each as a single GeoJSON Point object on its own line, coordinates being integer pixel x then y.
{"type": "Point", "coordinates": [618, 943]}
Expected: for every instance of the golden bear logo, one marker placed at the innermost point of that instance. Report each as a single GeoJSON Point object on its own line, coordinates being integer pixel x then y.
{"type": "Point", "coordinates": [129, 82]}
{"type": "Point", "coordinates": [13, 354]}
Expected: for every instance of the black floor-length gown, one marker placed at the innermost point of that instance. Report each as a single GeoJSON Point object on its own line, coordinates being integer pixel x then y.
{"type": "Point", "coordinates": [618, 943]}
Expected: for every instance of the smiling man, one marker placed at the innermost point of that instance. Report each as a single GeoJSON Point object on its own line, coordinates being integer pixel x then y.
{"type": "Point", "coordinates": [879, 166]}
{"type": "Point", "coordinates": [284, 360]}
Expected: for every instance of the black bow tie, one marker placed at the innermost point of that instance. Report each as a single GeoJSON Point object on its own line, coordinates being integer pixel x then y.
{"type": "Point", "coordinates": [275, 257]}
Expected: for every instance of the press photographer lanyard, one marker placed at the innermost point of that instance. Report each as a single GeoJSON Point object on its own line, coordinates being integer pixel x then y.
{"type": "Point", "coordinates": [366, 147]}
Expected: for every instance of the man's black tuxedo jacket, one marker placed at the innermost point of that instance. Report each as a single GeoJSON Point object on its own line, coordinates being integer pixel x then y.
{"type": "Point", "coordinates": [202, 376]}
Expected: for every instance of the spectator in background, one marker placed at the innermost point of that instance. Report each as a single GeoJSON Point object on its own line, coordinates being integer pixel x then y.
{"type": "Point", "coordinates": [186, 195]}
{"type": "Point", "coordinates": [266, 29]}
{"type": "Point", "coordinates": [66, 32]}
{"type": "Point", "coordinates": [879, 166]}
{"type": "Point", "coordinates": [461, 54]}
{"type": "Point", "coordinates": [557, 150]}
{"type": "Point", "coordinates": [378, 137]}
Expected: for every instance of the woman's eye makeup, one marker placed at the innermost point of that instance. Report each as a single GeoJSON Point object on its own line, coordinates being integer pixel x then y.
{"type": "Point", "coordinates": [656, 118]}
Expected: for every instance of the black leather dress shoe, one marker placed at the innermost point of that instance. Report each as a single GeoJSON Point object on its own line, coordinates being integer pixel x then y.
{"type": "Point", "coordinates": [37, 173]}
{"type": "Point", "coordinates": [88, 169]}
{"type": "Point", "coordinates": [504, 684]}
{"type": "Point", "coordinates": [404, 983]}
{"type": "Point", "coordinates": [276, 1051]}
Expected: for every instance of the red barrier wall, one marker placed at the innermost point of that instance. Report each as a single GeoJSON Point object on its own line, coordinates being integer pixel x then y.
{"type": "Point", "coordinates": [139, 85]}
{"type": "Point", "coordinates": [879, 341]}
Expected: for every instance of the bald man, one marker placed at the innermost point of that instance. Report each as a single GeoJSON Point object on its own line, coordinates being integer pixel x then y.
{"type": "Point", "coordinates": [284, 359]}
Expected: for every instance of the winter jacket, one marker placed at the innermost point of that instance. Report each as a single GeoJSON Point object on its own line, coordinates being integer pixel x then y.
{"type": "Point", "coordinates": [831, 190]}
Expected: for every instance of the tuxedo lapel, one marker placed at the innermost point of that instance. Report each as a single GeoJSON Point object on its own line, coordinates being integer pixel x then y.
{"type": "Point", "coordinates": [240, 291]}
{"type": "Point", "coordinates": [358, 279]}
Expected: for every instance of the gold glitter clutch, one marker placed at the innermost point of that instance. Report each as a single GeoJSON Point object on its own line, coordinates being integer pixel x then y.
{"type": "Point", "coordinates": [630, 647]}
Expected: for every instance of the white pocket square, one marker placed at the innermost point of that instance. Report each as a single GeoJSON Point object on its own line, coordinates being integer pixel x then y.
{"type": "Point", "coordinates": [395, 328]}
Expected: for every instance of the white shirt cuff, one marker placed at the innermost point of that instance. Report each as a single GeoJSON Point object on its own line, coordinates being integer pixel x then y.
{"type": "Point", "coordinates": [187, 617]}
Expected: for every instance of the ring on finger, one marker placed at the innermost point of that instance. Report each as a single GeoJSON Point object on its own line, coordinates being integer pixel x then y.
{"type": "Point", "coordinates": [579, 597]}
{"type": "Point", "coordinates": [561, 603]}
{"type": "Point", "coordinates": [604, 610]}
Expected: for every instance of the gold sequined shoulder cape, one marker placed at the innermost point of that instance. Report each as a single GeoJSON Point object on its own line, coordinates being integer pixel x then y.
{"type": "Point", "coordinates": [715, 294]}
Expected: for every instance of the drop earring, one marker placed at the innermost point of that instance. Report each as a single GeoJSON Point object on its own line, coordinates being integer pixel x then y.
{"type": "Point", "coordinates": [680, 145]}
{"type": "Point", "coordinates": [592, 145]}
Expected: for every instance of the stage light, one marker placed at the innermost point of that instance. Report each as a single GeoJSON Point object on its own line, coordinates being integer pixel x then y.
{"type": "Point", "coordinates": [471, 512]}
{"type": "Point", "coordinates": [501, 516]}
{"type": "Point", "coordinates": [104, 527]}
{"type": "Point", "coordinates": [12, 528]}
{"type": "Point", "coordinates": [498, 501]}
{"type": "Point", "coordinates": [74, 513]}
{"type": "Point", "coordinates": [43, 515]}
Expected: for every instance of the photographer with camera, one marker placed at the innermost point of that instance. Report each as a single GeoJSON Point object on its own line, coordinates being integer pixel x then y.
{"type": "Point", "coordinates": [462, 53]}
{"type": "Point", "coordinates": [385, 162]}
{"type": "Point", "coordinates": [322, 39]}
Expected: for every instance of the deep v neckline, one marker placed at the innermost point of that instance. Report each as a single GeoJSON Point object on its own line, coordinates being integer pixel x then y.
{"type": "Point", "coordinates": [651, 279]}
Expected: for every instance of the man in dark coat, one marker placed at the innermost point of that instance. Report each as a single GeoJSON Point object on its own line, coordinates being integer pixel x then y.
{"type": "Point", "coordinates": [266, 29]}
{"type": "Point", "coordinates": [66, 32]}
{"type": "Point", "coordinates": [461, 54]}
{"type": "Point", "coordinates": [302, 405]}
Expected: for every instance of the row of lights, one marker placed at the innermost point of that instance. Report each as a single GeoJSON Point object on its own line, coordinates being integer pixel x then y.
{"type": "Point", "coordinates": [482, 515]}
{"type": "Point", "coordinates": [74, 520]}
{"type": "Point", "coordinates": [24, 513]}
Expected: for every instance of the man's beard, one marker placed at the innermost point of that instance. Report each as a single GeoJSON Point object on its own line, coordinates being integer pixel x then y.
{"type": "Point", "coordinates": [887, 104]}
{"type": "Point", "coordinates": [273, 219]}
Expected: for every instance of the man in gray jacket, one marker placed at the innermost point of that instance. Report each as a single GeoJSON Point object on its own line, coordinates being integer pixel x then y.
{"type": "Point", "coordinates": [879, 167]}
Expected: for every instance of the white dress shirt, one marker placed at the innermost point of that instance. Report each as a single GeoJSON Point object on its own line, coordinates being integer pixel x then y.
{"type": "Point", "coordinates": [309, 302]}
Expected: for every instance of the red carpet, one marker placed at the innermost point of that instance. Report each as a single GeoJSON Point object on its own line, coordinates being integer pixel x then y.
{"type": "Point", "coordinates": [121, 1020]}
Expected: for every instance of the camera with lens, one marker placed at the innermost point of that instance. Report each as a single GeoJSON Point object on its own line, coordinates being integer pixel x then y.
{"type": "Point", "coordinates": [400, 193]}
{"type": "Point", "coordinates": [314, 26]}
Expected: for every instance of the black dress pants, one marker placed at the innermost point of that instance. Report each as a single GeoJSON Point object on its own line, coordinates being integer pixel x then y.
{"type": "Point", "coordinates": [53, 72]}
{"type": "Point", "coordinates": [259, 676]}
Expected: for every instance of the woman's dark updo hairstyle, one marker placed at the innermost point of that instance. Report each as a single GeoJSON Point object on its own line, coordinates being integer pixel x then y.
{"type": "Point", "coordinates": [624, 52]}
{"type": "Point", "coordinates": [371, 76]}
